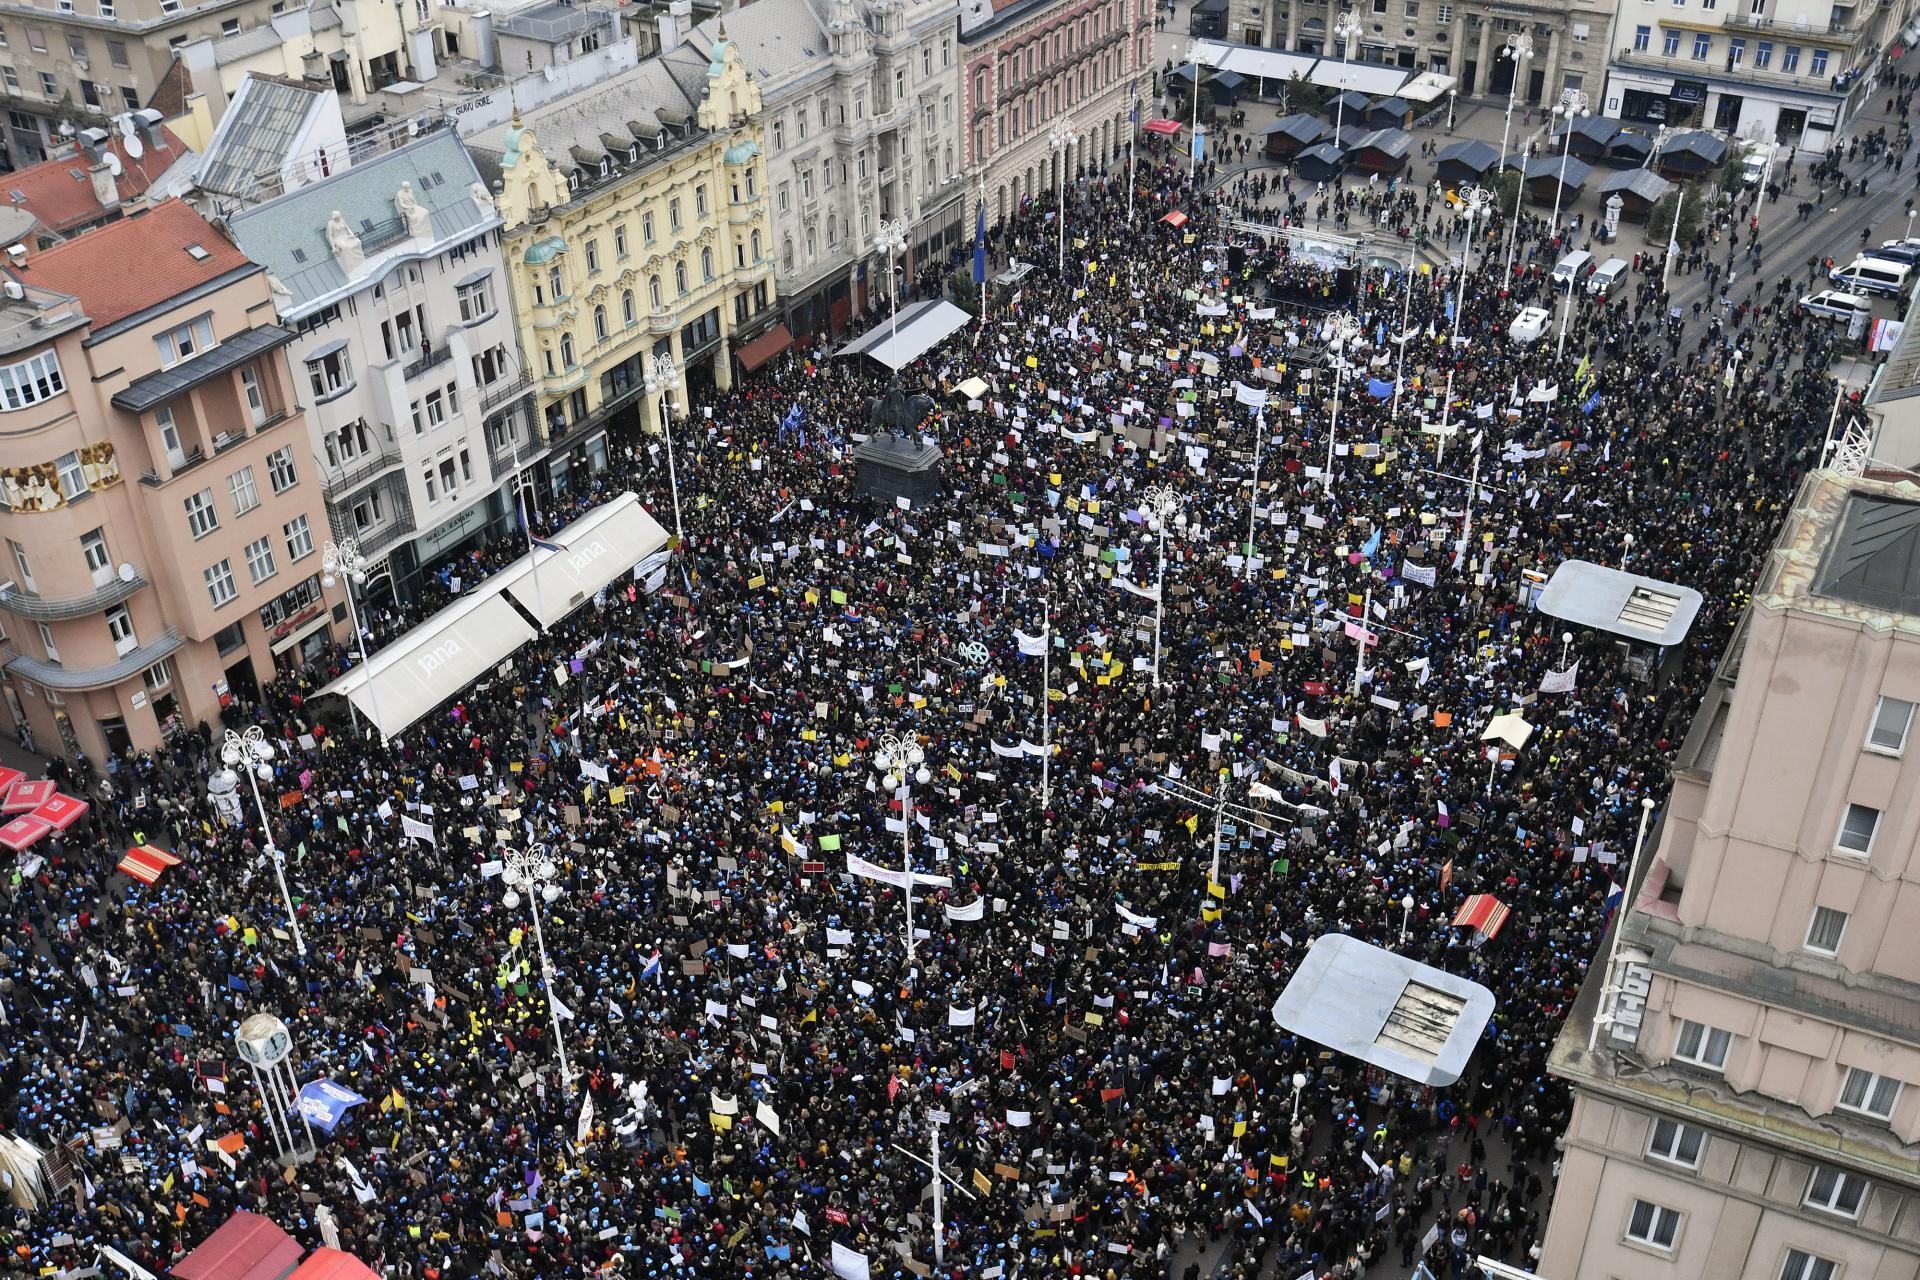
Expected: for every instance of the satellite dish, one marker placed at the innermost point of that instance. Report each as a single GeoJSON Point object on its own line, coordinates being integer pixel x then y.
{"type": "Point", "coordinates": [113, 164]}
{"type": "Point", "coordinates": [135, 147]}
{"type": "Point", "coordinates": [128, 573]}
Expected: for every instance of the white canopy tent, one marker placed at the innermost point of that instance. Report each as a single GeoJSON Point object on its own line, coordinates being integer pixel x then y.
{"type": "Point", "coordinates": [1427, 87]}
{"type": "Point", "coordinates": [1362, 77]}
{"type": "Point", "coordinates": [919, 328]}
{"type": "Point", "coordinates": [435, 660]}
{"type": "Point", "coordinates": [1252, 61]}
{"type": "Point", "coordinates": [594, 550]}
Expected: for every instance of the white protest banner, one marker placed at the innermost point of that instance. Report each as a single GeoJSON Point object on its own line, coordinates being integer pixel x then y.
{"type": "Point", "coordinates": [418, 830]}
{"type": "Point", "coordinates": [958, 1017]}
{"type": "Point", "coordinates": [767, 1116]}
{"type": "Point", "coordinates": [850, 1265]}
{"type": "Point", "coordinates": [1561, 681]}
{"type": "Point", "coordinates": [1420, 573]}
{"type": "Point", "coordinates": [1135, 918]}
{"type": "Point", "coordinates": [859, 866]}
{"type": "Point", "coordinates": [974, 910]}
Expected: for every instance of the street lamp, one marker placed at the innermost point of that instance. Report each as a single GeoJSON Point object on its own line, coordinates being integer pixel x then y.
{"type": "Point", "coordinates": [1573, 106]}
{"type": "Point", "coordinates": [662, 379]}
{"type": "Point", "coordinates": [250, 753]}
{"type": "Point", "coordinates": [889, 240]}
{"type": "Point", "coordinates": [902, 758]}
{"type": "Point", "coordinates": [339, 560]}
{"type": "Point", "coordinates": [1406, 913]}
{"type": "Point", "coordinates": [1345, 329]}
{"type": "Point", "coordinates": [1344, 31]}
{"type": "Point", "coordinates": [1299, 1083]}
{"type": "Point", "coordinates": [1519, 48]}
{"type": "Point", "coordinates": [1162, 502]}
{"type": "Point", "coordinates": [266, 1046]}
{"type": "Point", "coordinates": [535, 873]}
{"type": "Point", "coordinates": [1060, 137]}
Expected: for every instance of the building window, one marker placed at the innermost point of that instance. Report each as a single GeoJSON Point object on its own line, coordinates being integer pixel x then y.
{"type": "Point", "coordinates": [1818, 63]}
{"type": "Point", "coordinates": [28, 382]}
{"type": "Point", "coordinates": [646, 227]}
{"type": "Point", "coordinates": [1642, 38]}
{"type": "Point", "coordinates": [1892, 717]}
{"type": "Point", "coordinates": [673, 215]}
{"type": "Point", "coordinates": [158, 676]}
{"type": "Point", "coordinates": [1833, 1191]}
{"type": "Point", "coordinates": [1653, 1224]}
{"type": "Point", "coordinates": [1670, 43]}
{"type": "Point", "coordinates": [628, 315]}
{"type": "Point", "coordinates": [93, 548]}
{"type": "Point", "coordinates": [369, 512]}
{"type": "Point", "coordinates": [476, 301]}
{"type": "Point", "coordinates": [241, 489]}
{"type": "Point", "coordinates": [556, 284]}
{"type": "Point", "coordinates": [120, 630]}
{"type": "Point", "coordinates": [706, 265]}
{"type": "Point", "coordinates": [1736, 52]}
{"type": "Point", "coordinates": [280, 469]}
{"type": "Point", "coordinates": [1701, 1045]}
{"type": "Point", "coordinates": [1702, 46]}
{"type": "Point", "coordinates": [260, 564]}
{"type": "Point", "coordinates": [73, 477]}
{"type": "Point", "coordinates": [566, 351]}
{"type": "Point", "coordinates": [700, 201]}
{"type": "Point", "coordinates": [202, 519]}
{"type": "Point", "coordinates": [1790, 60]}
{"type": "Point", "coordinates": [599, 323]}
{"type": "Point", "coordinates": [1804, 1266]}
{"type": "Point", "coordinates": [185, 341]}
{"type": "Point", "coordinates": [1857, 828]}
{"type": "Point", "coordinates": [1763, 54]}
{"type": "Point", "coordinates": [1869, 1094]}
{"type": "Point", "coordinates": [299, 538]}
{"type": "Point", "coordinates": [330, 374]}
{"type": "Point", "coordinates": [1676, 1143]}
{"type": "Point", "coordinates": [46, 642]}
{"type": "Point", "coordinates": [20, 560]}
{"type": "Point", "coordinates": [220, 588]}
{"type": "Point", "coordinates": [680, 278]}
{"type": "Point", "coordinates": [48, 87]}
{"type": "Point", "coordinates": [593, 256]}
{"type": "Point", "coordinates": [1826, 930]}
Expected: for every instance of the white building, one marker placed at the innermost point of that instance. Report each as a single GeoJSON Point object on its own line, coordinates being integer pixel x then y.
{"type": "Point", "coordinates": [391, 273]}
{"type": "Point", "coordinates": [861, 102]}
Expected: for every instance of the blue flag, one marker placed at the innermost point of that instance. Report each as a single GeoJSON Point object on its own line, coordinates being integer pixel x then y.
{"type": "Point", "coordinates": [980, 243]}
{"type": "Point", "coordinates": [1379, 389]}
{"type": "Point", "coordinates": [1591, 403]}
{"type": "Point", "coordinates": [701, 1188]}
{"type": "Point", "coordinates": [528, 529]}
{"type": "Point", "coordinates": [1372, 546]}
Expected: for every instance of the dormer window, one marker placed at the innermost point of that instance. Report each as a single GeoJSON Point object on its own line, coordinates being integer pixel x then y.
{"type": "Point", "coordinates": [633, 156]}
{"type": "Point", "coordinates": [606, 165]}
{"type": "Point", "coordinates": [573, 179]}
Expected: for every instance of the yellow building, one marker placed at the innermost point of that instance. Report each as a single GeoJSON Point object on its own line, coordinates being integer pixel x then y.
{"type": "Point", "coordinates": [637, 223]}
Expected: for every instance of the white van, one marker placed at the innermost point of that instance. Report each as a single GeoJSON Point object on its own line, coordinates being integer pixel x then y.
{"type": "Point", "coordinates": [1572, 269]}
{"type": "Point", "coordinates": [1607, 278]}
{"type": "Point", "coordinates": [1530, 325]}
{"type": "Point", "coordinates": [1836, 305]}
{"type": "Point", "coordinates": [1867, 274]}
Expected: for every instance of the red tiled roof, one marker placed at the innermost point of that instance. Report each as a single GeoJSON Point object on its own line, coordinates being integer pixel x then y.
{"type": "Point", "coordinates": [91, 267]}
{"type": "Point", "coordinates": [60, 200]}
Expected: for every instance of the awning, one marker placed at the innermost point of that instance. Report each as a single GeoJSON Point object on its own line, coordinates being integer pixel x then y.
{"type": "Point", "coordinates": [1427, 87]}
{"type": "Point", "coordinates": [145, 862]}
{"type": "Point", "coordinates": [1167, 127]}
{"type": "Point", "coordinates": [1361, 77]}
{"type": "Point", "coordinates": [331, 1264]}
{"type": "Point", "coordinates": [1252, 60]}
{"type": "Point", "coordinates": [897, 343]}
{"type": "Point", "coordinates": [1485, 914]}
{"type": "Point", "coordinates": [594, 550]}
{"type": "Point", "coordinates": [27, 796]}
{"type": "Point", "coordinates": [62, 811]}
{"type": "Point", "coordinates": [1176, 219]}
{"type": "Point", "coordinates": [433, 662]}
{"type": "Point", "coordinates": [1615, 601]}
{"type": "Point", "coordinates": [246, 1247]}
{"type": "Point", "coordinates": [8, 778]}
{"type": "Point", "coordinates": [765, 347]}
{"type": "Point", "coordinates": [23, 831]}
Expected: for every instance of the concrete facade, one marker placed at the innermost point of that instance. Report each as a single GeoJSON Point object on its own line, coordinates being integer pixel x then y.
{"type": "Point", "coordinates": [162, 512]}
{"type": "Point", "coordinates": [1744, 1109]}
{"type": "Point", "coordinates": [1029, 63]}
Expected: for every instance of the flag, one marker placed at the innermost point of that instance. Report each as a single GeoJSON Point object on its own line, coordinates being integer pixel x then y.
{"type": "Point", "coordinates": [1614, 894]}
{"type": "Point", "coordinates": [1333, 775]}
{"type": "Point", "coordinates": [980, 243]}
{"type": "Point", "coordinates": [1371, 548]}
{"type": "Point", "coordinates": [652, 969]}
{"type": "Point", "coordinates": [1030, 646]}
{"type": "Point", "coordinates": [1379, 388]}
{"type": "Point", "coordinates": [1145, 593]}
{"type": "Point", "coordinates": [528, 529]}
{"type": "Point", "coordinates": [1445, 819]}
{"type": "Point", "coordinates": [1591, 403]}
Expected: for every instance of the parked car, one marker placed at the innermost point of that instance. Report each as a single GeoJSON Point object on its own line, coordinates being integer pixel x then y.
{"type": "Point", "coordinates": [1603, 282]}
{"type": "Point", "coordinates": [1907, 251]}
{"type": "Point", "coordinates": [1572, 269]}
{"type": "Point", "coordinates": [1836, 304]}
{"type": "Point", "coordinates": [1870, 274]}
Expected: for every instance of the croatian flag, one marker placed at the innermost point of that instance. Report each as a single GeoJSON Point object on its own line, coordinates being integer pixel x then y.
{"type": "Point", "coordinates": [527, 529]}
{"type": "Point", "coordinates": [1614, 894]}
{"type": "Point", "coordinates": [653, 968]}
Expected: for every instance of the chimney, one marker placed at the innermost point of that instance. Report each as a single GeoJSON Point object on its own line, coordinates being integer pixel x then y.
{"type": "Point", "coordinates": [105, 189]}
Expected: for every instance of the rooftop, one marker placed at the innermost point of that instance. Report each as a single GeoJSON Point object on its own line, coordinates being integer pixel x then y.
{"type": "Point", "coordinates": [59, 193]}
{"type": "Point", "coordinates": [257, 134]}
{"type": "Point", "coordinates": [1875, 558]}
{"type": "Point", "coordinates": [1848, 550]}
{"type": "Point", "coordinates": [554, 23]}
{"type": "Point", "coordinates": [177, 251]}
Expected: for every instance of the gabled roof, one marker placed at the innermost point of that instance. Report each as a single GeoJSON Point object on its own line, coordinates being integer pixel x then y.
{"type": "Point", "coordinates": [1550, 167]}
{"type": "Point", "coordinates": [658, 85]}
{"type": "Point", "coordinates": [1644, 183]}
{"type": "Point", "coordinates": [1325, 153]}
{"type": "Point", "coordinates": [1709, 148]}
{"type": "Point", "coordinates": [288, 235]}
{"type": "Point", "coordinates": [1874, 559]}
{"type": "Point", "coordinates": [245, 1247]}
{"type": "Point", "coordinates": [1388, 142]}
{"type": "Point", "coordinates": [1472, 152]}
{"type": "Point", "coordinates": [262, 124]}
{"type": "Point", "coordinates": [1396, 104]}
{"type": "Point", "coordinates": [59, 193]}
{"type": "Point", "coordinates": [1302, 126]}
{"type": "Point", "coordinates": [95, 267]}
{"type": "Point", "coordinates": [1600, 129]}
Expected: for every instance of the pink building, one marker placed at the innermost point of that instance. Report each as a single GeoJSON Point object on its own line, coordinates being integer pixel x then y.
{"type": "Point", "coordinates": [158, 500]}
{"type": "Point", "coordinates": [1741, 1107]}
{"type": "Point", "coordinates": [1029, 63]}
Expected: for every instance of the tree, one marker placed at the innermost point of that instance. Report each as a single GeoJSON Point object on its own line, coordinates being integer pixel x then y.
{"type": "Point", "coordinates": [1505, 186]}
{"type": "Point", "coordinates": [1301, 95]}
{"type": "Point", "coordinates": [1691, 202]}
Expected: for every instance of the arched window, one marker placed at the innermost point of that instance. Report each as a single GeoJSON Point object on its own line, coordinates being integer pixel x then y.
{"type": "Point", "coordinates": [566, 351]}
{"type": "Point", "coordinates": [680, 276]}
{"type": "Point", "coordinates": [756, 245]}
{"type": "Point", "coordinates": [706, 265]}
{"type": "Point", "coordinates": [812, 246]}
{"type": "Point", "coordinates": [626, 307]}
{"type": "Point", "coordinates": [786, 253]}
{"type": "Point", "coordinates": [556, 286]}
{"type": "Point", "coordinates": [653, 293]}
{"type": "Point", "coordinates": [600, 324]}
{"type": "Point", "coordinates": [833, 231]}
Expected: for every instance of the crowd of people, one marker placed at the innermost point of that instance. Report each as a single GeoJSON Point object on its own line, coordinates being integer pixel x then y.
{"type": "Point", "coordinates": [764, 1053]}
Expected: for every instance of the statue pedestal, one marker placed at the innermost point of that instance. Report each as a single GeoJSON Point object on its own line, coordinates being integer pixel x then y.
{"type": "Point", "coordinates": [890, 467]}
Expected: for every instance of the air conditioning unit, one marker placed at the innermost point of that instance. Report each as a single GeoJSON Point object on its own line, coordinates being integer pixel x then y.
{"type": "Point", "coordinates": [16, 290]}
{"type": "Point", "coordinates": [17, 254]}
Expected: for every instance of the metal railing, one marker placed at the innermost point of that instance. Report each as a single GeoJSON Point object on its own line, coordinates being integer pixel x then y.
{"type": "Point", "coordinates": [153, 479]}
{"type": "Point", "coordinates": [434, 356]}
{"type": "Point", "coordinates": [504, 392]}
{"type": "Point", "coordinates": [1793, 27]}
{"type": "Point", "coordinates": [31, 604]}
{"type": "Point", "coordinates": [346, 479]}
{"type": "Point", "coordinates": [53, 675]}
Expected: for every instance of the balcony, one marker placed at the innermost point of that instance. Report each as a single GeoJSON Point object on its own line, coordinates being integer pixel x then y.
{"type": "Point", "coordinates": [435, 357]}
{"type": "Point", "coordinates": [345, 479]}
{"type": "Point", "coordinates": [663, 321]}
{"type": "Point", "coordinates": [153, 479]}
{"type": "Point", "coordinates": [77, 679]}
{"type": "Point", "coordinates": [30, 604]}
{"type": "Point", "coordinates": [1793, 27]}
{"type": "Point", "coordinates": [505, 392]}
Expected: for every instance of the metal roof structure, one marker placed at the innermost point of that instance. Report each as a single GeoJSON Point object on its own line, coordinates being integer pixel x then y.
{"type": "Point", "coordinates": [1391, 1012]}
{"type": "Point", "coordinates": [1645, 183]}
{"type": "Point", "coordinates": [257, 134]}
{"type": "Point", "coordinates": [1874, 558]}
{"type": "Point", "coordinates": [1620, 603]}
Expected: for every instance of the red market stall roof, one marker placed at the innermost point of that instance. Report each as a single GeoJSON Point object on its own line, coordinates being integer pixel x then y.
{"type": "Point", "coordinates": [25, 797]}
{"type": "Point", "coordinates": [145, 862]}
{"type": "Point", "coordinates": [1168, 127]}
{"type": "Point", "coordinates": [246, 1247]}
{"type": "Point", "coordinates": [23, 831]}
{"type": "Point", "coordinates": [1175, 219]}
{"type": "Point", "coordinates": [62, 811]}
{"type": "Point", "coordinates": [1483, 913]}
{"type": "Point", "coordinates": [331, 1264]}
{"type": "Point", "coordinates": [8, 777]}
